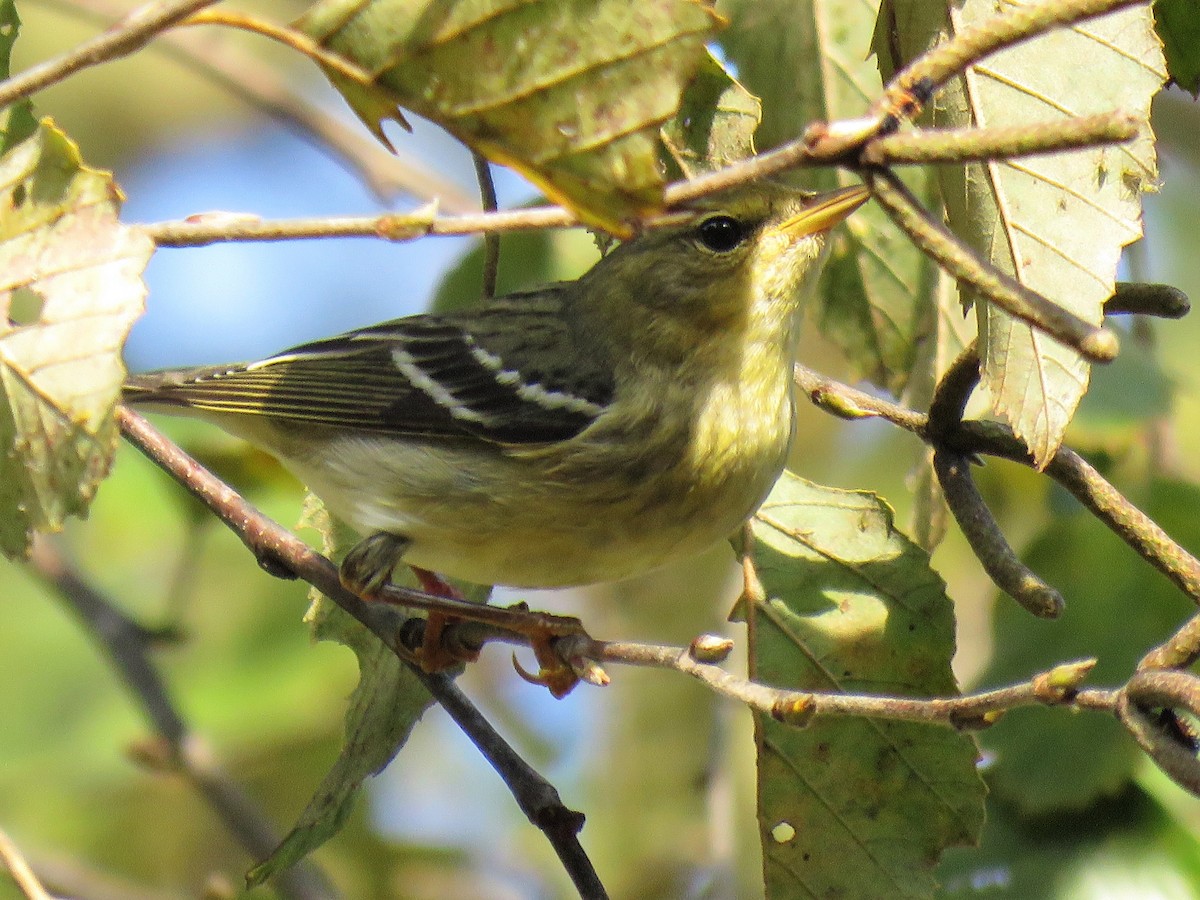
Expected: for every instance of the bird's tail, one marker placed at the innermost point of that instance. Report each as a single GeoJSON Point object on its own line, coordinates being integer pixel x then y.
{"type": "Point", "coordinates": [173, 388]}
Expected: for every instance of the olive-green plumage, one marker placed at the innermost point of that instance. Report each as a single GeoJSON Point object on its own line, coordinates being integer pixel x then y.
{"type": "Point", "coordinates": [581, 432]}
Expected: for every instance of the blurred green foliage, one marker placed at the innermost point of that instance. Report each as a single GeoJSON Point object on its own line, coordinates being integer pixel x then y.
{"type": "Point", "coordinates": [664, 771]}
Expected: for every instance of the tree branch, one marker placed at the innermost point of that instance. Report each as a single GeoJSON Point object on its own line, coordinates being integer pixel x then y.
{"type": "Point", "coordinates": [284, 554]}
{"type": "Point", "coordinates": [125, 37]}
{"type": "Point", "coordinates": [932, 237]}
{"type": "Point", "coordinates": [245, 76]}
{"type": "Point", "coordinates": [125, 644]}
{"type": "Point", "coordinates": [960, 145]}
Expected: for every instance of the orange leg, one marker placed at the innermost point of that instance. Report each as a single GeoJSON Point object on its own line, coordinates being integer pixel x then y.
{"type": "Point", "coordinates": [432, 655]}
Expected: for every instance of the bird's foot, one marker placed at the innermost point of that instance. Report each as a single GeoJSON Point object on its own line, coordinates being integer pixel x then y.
{"type": "Point", "coordinates": [367, 568]}
{"type": "Point", "coordinates": [447, 641]}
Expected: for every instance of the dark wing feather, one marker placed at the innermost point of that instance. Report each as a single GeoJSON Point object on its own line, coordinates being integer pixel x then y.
{"type": "Point", "coordinates": [423, 376]}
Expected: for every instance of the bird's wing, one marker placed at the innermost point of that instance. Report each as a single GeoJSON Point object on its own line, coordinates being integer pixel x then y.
{"type": "Point", "coordinates": [510, 372]}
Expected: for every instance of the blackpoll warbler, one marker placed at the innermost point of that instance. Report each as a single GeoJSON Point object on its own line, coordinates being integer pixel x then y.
{"type": "Point", "coordinates": [580, 432]}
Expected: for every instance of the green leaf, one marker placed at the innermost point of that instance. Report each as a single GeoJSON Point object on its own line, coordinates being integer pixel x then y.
{"type": "Point", "coordinates": [527, 259]}
{"type": "Point", "coordinates": [16, 121]}
{"type": "Point", "coordinates": [1123, 395]}
{"type": "Point", "coordinates": [715, 124]}
{"type": "Point", "coordinates": [1056, 222]}
{"type": "Point", "coordinates": [384, 708]}
{"type": "Point", "coordinates": [570, 93]}
{"type": "Point", "coordinates": [808, 61]}
{"type": "Point", "coordinates": [854, 808]}
{"type": "Point", "coordinates": [1127, 847]}
{"type": "Point", "coordinates": [70, 289]}
{"type": "Point", "coordinates": [1048, 760]}
{"type": "Point", "coordinates": [1178, 24]}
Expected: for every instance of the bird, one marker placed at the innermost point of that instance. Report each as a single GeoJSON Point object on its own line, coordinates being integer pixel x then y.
{"type": "Point", "coordinates": [580, 432]}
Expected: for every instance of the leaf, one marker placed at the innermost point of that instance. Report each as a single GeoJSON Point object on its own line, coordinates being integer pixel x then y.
{"type": "Point", "coordinates": [70, 289]}
{"type": "Point", "coordinates": [1124, 396]}
{"type": "Point", "coordinates": [1178, 24]}
{"type": "Point", "coordinates": [16, 120]}
{"type": "Point", "coordinates": [808, 61]}
{"type": "Point", "coordinates": [527, 259]}
{"type": "Point", "coordinates": [1117, 608]}
{"type": "Point", "coordinates": [384, 708]}
{"type": "Point", "coordinates": [854, 808]}
{"type": "Point", "coordinates": [715, 124]}
{"type": "Point", "coordinates": [948, 336]}
{"type": "Point", "coordinates": [1055, 222]}
{"type": "Point", "coordinates": [570, 93]}
{"type": "Point", "coordinates": [1128, 847]}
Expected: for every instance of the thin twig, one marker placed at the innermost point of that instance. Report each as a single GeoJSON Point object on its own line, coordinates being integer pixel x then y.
{"type": "Point", "coordinates": [203, 230]}
{"type": "Point", "coordinates": [1057, 686]}
{"type": "Point", "coordinates": [22, 875]}
{"type": "Point", "coordinates": [125, 37]}
{"type": "Point", "coordinates": [952, 393]}
{"type": "Point", "coordinates": [987, 540]}
{"type": "Point", "coordinates": [847, 402]}
{"type": "Point", "coordinates": [1163, 301]}
{"type": "Point", "coordinates": [198, 231]}
{"type": "Point", "coordinates": [1016, 23]}
{"type": "Point", "coordinates": [491, 240]}
{"type": "Point", "coordinates": [1095, 492]}
{"type": "Point", "coordinates": [297, 40]}
{"type": "Point", "coordinates": [1179, 651]}
{"type": "Point", "coordinates": [124, 642]}
{"type": "Point", "coordinates": [1067, 467]}
{"type": "Point", "coordinates": [929, 234]}
{"type": "Point", "coordinates": [1170, 751]}
{"type": "Point", "coordinates": [281, 551]}
{"type": "Point", "coordinates": [960, 145]}
{"type": "Point", "coordinates": [246, 77]}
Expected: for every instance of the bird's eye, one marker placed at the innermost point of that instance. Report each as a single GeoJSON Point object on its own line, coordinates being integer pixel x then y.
{"type": "Point", "coordinates": [721, 233]}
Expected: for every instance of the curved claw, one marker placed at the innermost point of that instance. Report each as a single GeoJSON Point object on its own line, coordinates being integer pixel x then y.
{"type": "Point", "coordinates": [557, 678]}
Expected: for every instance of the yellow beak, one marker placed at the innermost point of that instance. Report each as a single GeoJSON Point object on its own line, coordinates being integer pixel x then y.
{"type": "Point", "coordinates": [824, 211]}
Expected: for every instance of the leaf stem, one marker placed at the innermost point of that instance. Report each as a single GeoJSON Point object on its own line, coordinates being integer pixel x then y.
{"type": "Point", "coordinates": [290, 37]}
{"type": "Point", "coordinates": [491, 240]}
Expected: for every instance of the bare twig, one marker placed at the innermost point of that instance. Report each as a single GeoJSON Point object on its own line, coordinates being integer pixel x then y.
{"type": "Point", "coordinates": [1057, 686]}
{"type": "Point", "coordinates": [1179, 651]}
{"type": "Point", "coordinates": [1095, 492]}
{"type": "Point", "coordinates": [202, 230]}
{"type": "Point", "coordinates": [928, 72]}
{"type": "Point", "coordinates": [847, 402]}
{"type": "Point", "coordinates": [247, 77]}
{"type": "Point", "coordinates": [124, 642]}
{"type": "Point", "coordinates": [987, 541]}
{"type": "Point", "coordinates": [198, 231]}
{"type": "Point", "coordinates": [1067, 467]}
{"type": "Point", "coordinates": [1163, 301]}
{"type": "Point", "coordinates": [282, 552]}
{"type": "Point", "coordinates": [960, 145]}
{"type": "Point", "coordinates": [125, 37]}
{"type": "Point", "coordinates": [290, 37]}
{"type": "Point", "coordinates": [1094, 342]}
{"type": "Point", "coordinates": [1172, 691]}
{"type": "Point", "coordinates": [22, 875]}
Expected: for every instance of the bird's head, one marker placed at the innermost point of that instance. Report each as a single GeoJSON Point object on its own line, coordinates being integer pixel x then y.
{"type": "Point", "coordinates": [735, 259]}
